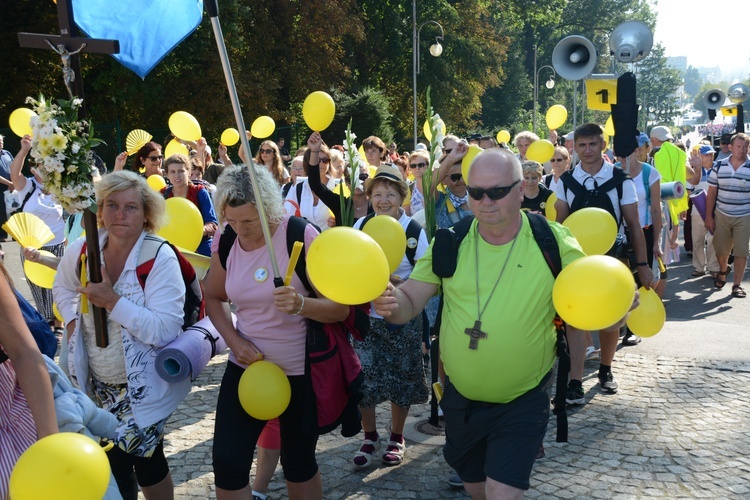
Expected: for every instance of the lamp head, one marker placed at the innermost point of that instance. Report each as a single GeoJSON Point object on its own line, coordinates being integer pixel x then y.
{"type": "Point", "coordinates": [550, 84]}
{"type": "Point", "coordinates": [436, 49]}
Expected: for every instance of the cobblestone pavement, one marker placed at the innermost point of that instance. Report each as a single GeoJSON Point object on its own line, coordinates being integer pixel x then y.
{"type": "Point", "coordinates": [677, 428]}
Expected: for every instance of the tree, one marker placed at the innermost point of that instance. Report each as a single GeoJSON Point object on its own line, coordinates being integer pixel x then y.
{"type": "Point", "coordinates": [657, 87]}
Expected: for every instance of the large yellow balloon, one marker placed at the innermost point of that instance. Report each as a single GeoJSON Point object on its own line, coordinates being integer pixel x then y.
{"type": "Point", "coordinates": [230, 137]}
{"type": "Point", "coordinates": [648, 318]}
{"type": "Point", "coordinates": [175, 147]}
{"type": "Point", "coordinates": [40, 275]}
{"type": "Point", "coordinates": [556, 116]}
{"type": "Point", "coordinates": [428, 133]}
{"type": "Point", "coordinates": [63, 466]}
{"type": "Point", "coordinates": [593, 292]}
{"type": "Point", "coordinates": [318, 110]}
{"type": "Point", "coordinates": [549, 207]}
{"type": "Point", "coordinates": [184, 224]}
{"type": "Point", "coordinates": [609, 127]}
{"type": "Point", "coordinates": [347, 266]}
{"type": "Point", "coordinates": [156, 182]}
{"type": "Point", "coordinates": [20, 121]}
{"type": "Point", "coordinates": [473, 151]}
{"type": "Point", "coordinates": [184, 125]}
{"type": "Point", "coordinates": [390, 235]}
{"type": "Point", "coordinates": [594, 228]}
{"type": "Point", "coordinates": [540, 151]}
{"type": "Point", "coordinates": [262, 127]}
{"type": "Point", "coordinates": [503, 136]}
{"type": "Point", "coordinates": [264, 390]}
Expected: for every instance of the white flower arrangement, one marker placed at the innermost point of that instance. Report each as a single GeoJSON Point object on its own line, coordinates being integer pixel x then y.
{"type": "Point", "coordinates": [61, 147]}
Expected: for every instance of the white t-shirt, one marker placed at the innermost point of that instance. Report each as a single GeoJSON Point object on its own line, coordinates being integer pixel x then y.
{"type": "Point", "coordinates": [317, 214]}
{"type": "Point", "coordinates": [45, 207]}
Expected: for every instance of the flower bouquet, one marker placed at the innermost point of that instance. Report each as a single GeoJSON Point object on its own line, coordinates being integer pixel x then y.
{"type": "Point", "coordinates": [61, 147]}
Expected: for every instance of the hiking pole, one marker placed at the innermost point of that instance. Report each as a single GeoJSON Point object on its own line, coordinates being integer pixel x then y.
{"type": "Point", "coordinates": [212, 7]}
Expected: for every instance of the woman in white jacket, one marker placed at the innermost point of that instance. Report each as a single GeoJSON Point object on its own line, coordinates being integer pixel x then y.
{"type": "Point", "coordinates": [142, 317]}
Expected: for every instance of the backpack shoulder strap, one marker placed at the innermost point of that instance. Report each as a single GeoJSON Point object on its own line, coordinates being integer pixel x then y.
{"type": "Point", "coordinates": [366, 219]}
{"type": "Point", "coordinates": [569, 183]}
{"type": "Point", "coordinates": [149, 250]}
{"type": "Point", "coordinates": [295, 231]}
{"type": "Point", "coordinates": [299, 187]}
{"type": "Point", "coordinates": [547, 242]}
{"type": "Point", "coordinates": [413, 231]}
{"type": "Point", "coordinates": [28, 196]}
{"type": "Point", "coordinates": [445, 247]}
{"type": "Point", "coordinates": [226, 240]}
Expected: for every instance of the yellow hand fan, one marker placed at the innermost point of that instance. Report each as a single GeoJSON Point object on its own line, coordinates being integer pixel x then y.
{"type": "Point", "coordinates": [39, 274]}
{"type": "Point", "coordinates": [200, 263]}
{"type": "Point", "coordinates": [28, 230]}
{"type": "Point", "coordinates": [136, 139]}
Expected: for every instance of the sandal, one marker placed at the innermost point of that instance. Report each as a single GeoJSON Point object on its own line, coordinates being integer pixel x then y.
{"type": "Point", "coordinates": [720, 282]}
{"type": "Point", "coordinates": [738, 292]}
{"type": "Point", "coordinates": [394, 454]}
{"type": "Point", "coordinates": [365, 452]}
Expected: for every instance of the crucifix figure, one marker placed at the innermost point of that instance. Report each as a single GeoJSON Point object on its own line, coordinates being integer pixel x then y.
{"type": "Point", "coordinates": [475, 333]}
{"type": "Point", "coordinates": [69, 75]}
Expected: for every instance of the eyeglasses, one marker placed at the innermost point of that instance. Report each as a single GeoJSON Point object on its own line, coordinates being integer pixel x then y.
{"type": "Point", "coordinates": [156, 158]}
{"type": "Point", "coordinates": [267, 151]}
{"type": "Point", "coordinates": [455, 177]}
{"type": "Point", "coordinates": [494, 194]}
{"type": "Point", "coordinates": [324, 160]}
{"type": "Point", "coordinates": [363, 177]}
{"type": "Point", "coordinates": [557, 160]}
{"type": "Point", "coordinates": [418, 165]}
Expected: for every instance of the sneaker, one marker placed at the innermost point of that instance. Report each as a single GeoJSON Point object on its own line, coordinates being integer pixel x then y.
{"type": "Point", "coordinates": [629, 339]}
{"type": "Point", "coordinates": [363, 458]}
{"type": "Point", "coordinates": [608, 383]}
{"type": "Point", "coordinates": [592, 353]}
{"type": "Point", "coordinates": [394, 453]}
{"type": "Point", "coordinates": [574, 396]}
{"type": "Point", "coordinates": [454, 480]}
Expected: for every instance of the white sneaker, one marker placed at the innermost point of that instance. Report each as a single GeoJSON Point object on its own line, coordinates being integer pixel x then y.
{"type": "Point", "coordinates": [592, 353]}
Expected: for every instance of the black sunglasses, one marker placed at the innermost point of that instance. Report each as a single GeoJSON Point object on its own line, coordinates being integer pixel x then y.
{"type": "Point", "coordinates": [324, 160]}
{"type": "Point", "coordinates": [363, 177]}
{"type": "Point", "coordinates": [494, 194]}
{"type": "Point", "coordinates": [557, 160]}
{"type": "Point", "coordinates": [447, 151]}
{"type": "Point", "coordinates": [156, 158]}
{"type": "Point", "coordinates": [455, 177]}
{"type": "Point", "coordinates": [418, 165]}
{"type": "Point", "coordinates": [267, 151]}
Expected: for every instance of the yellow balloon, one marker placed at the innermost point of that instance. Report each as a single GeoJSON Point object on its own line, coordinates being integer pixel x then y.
{"type": "Point", "coordinates": [503, 136]}
{"type": "Point", "coordinates": [262, 127]}
{"type": "Point", "coordinates": [593, 292]}
{"type": "Point", "coordinates": [41, 275]}
{"type": "Point", "coordinates": [184, 125]}
{"type": "Point", "coordinates": [264, 390]}
{"type": "Point", "coordinates": [594, 228]}
{"type": "Point", "coordinates": [318, 110]}
{"type": "Point", "coordinates": [556, 116]}
{"type": "Point", "coordinates": [63, 466]}
{"type": "Point", "coordinates": [549, 207]}
{"type": "Point", "coordinates": [174, 147]}
{"type": "Point", "coordinates": [156, 182]}
{"type": "Point", "coordinates": [428, 132]}
{"type": "Point", "coordinates": [473, 151]}
{"type": "Point", "coordinates": [56, 312]}
{"type": "Point", "coordinates": [540, 151]}
{"type": "Point", "coordinates": [230, 137]}
{"type": "Point", "coordinates": [338, 187]}
{"type": "Point", "coordinates": [609, 127]}
{"type": "Point", "coordinates": [390, 235]}
{"type": "Point", "coordinates": [361, 151]}
{"type": "Point", "coordinates": [648, 318]}
{"type": "Point", "coordinates": [184, 224]}
{"type": "Point", "coordinates": [20, 121]}
{"type": "Point", "coordinates": [347, 266]}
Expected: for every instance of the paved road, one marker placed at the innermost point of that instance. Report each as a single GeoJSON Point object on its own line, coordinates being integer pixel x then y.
{"type": "Point", "coordinates": [677, 428]}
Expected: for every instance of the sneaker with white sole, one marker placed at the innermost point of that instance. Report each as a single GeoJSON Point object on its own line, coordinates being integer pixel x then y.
{"type": "Point", "coordinates": [574, 395]}
{"type": "Point", "coordinates": [394, 453]}
{"type": "Point", "coordinates": [454, 480]}
{"type": "Point", "coordinates": [608, 383]}
{"type": "Point", "coordinates": [592, 353]}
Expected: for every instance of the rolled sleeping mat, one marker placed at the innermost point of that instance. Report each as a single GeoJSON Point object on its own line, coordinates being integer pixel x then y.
{"type": "Point", "coordinates": [699, 202]}
{"type": "Point", "coordinates": [672, 190]}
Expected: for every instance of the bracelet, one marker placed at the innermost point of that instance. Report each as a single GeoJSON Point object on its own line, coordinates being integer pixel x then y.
{"type": "Point", "coordinates": [642, 264]}
{"type": "Point", "coordinates": [302, 304]}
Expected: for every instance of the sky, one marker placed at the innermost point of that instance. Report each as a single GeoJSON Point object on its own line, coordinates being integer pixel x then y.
{"type": "Point", "coordinates": [710, 34]}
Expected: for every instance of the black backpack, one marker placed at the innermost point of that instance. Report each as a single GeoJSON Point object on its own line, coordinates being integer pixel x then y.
{"type": "Point", "coordinates": [597, 197]}
{"type": "Point", "coordinates": [413, 230]}
{"type": "Point", "coordinates": [445, 259]}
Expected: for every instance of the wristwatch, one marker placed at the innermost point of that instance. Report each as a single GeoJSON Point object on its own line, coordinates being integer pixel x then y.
{"type": "Point", "coordinates": [642, 264]}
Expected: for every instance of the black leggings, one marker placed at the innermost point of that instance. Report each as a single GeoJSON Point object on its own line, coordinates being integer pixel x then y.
{"type": "Point", "coordinates": [236, 433]}
{"type": "Point", "coordinates": [131, 471]}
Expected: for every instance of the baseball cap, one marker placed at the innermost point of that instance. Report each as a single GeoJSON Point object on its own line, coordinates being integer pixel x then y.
{"type": "Point", "coordinates": [706, 149]}
{"type": "Point", "coordinates": [726, 138]}
{"type": "Point", "coordinates": [642, 139]}
{"type": "Point", "coordinates": [569, 136]}
{"type": "Point", "coordinates": [661, 133]}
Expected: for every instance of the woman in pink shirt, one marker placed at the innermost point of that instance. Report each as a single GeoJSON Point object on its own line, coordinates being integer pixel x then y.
{"type": "Point", "coordinates": [271, 325]}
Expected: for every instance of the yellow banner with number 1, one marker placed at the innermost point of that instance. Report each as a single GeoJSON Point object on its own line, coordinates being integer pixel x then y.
{"type": "Point", "coordinates": [600, 94]}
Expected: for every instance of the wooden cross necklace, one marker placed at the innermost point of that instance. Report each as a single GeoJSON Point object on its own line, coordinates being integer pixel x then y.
{"type": "Point", "coordinates": [475, 333]}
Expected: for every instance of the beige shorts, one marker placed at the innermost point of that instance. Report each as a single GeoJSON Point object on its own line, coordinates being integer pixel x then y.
{"type": "Point", "coordinates": [732, 233]}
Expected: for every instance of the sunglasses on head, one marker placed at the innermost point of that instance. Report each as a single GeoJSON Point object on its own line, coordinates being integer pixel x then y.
{"type": "Point", "coordinates": [324, 160]}
{"type": "Point", "coordinates": [418, 165]}
{"type": "Point", "coordinates": [267, 151]}
{"type": "Point", "coordinates": [494, 194]}
{"type": "Point", "coordinates": [455, 177]}
{"type": "Point", "coordinates": [156, 158]}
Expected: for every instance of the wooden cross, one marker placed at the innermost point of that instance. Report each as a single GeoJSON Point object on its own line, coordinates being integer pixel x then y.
{"type": "Point", "coordinates": [475, 333]}
{"type": "Point", "coordinates": [68, 46]}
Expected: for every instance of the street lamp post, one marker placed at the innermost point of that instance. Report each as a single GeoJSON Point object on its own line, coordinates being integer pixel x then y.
{"type": "Point", "coordinates": [550, 84]}
{"type": "Point", "coordinates": [435, 49]}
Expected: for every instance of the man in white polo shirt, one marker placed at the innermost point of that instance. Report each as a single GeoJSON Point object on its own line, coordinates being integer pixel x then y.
{"type": "Point", "coordinates": [729, 194]}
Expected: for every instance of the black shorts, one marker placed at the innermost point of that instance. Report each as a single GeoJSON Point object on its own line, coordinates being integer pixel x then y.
{"type": "Point", "coordinates": [495, 440]}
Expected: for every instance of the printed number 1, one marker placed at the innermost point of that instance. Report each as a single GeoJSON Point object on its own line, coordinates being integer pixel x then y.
{"type": "Point", "coordinates": [605, 95]}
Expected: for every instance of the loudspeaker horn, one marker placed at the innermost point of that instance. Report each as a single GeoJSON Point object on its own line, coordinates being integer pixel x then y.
{"type": "Point", "coordinates": [714, 99]}
{"type": "Point", "coordinates": [574, 57]}
{"type": "Point", "coordinates": [631, 41]}
{"type": "Point", "coordinates": [738, 93]}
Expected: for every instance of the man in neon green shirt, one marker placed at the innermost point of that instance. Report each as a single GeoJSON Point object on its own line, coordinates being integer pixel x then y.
{"type": "Point", "coordinates": [497, 336]}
